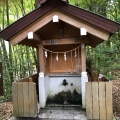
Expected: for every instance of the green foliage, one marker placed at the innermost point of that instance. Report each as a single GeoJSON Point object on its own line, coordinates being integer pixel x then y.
{"type": "Point", "coordinates": [105, 57]}
{"type": "Point", "coordinates": [16, 63]}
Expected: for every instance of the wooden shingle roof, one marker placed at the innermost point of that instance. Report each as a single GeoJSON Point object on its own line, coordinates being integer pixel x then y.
{"type": "Point", "coordinates": [77, 13]}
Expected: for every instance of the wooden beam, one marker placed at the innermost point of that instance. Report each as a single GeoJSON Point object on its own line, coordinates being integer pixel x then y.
{"type": "Point", "coordinates": [66, 41]}
{"type": "Point", "coordinates": [64, 17]}
{"type": "Point", "coordinates": [34, 36]}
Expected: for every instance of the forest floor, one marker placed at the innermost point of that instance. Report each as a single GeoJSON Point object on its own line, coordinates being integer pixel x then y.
{"type": "Point", "coordinates": [6, 110]}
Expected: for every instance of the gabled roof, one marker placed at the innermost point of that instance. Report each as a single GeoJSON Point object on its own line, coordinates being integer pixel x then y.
{"type": "Point", "coordinates": [93, 19]}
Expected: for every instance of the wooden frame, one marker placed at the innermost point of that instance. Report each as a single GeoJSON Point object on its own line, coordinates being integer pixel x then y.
{"type": "Point", "coordinates": [24, 99]}
{"type": "Point", "coordinates": [99, 101]}
{"type": "Point", "coordinates": [64, 17]}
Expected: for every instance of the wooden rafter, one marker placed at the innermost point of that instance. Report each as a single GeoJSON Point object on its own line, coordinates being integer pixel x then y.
{"type": "Point", "coordinates": [35, 37]}
{"type": "Point", "coordinates": [100, 33]}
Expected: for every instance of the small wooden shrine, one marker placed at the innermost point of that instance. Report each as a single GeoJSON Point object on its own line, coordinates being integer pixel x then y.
{"type": "Point", "coordinates": [60, 32]}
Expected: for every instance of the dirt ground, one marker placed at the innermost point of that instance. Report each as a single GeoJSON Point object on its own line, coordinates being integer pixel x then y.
{"type": "Point", "coordinates": [5, 110]}
{"type": "Point", "coordinates": [116, 97]}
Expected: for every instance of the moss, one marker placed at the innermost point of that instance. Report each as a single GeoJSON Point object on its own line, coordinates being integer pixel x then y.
{"type": "Point", "coordinates": [71, 98]}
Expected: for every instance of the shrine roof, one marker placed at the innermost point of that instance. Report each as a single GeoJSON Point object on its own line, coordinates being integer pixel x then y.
{"type": "Point", "coordinates": [88, 17]}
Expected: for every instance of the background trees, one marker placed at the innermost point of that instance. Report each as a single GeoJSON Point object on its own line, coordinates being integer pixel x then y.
{"type": "Point", "coordinates": [21, 61]}
{"type": "Point", "coordinates": [105, 57]}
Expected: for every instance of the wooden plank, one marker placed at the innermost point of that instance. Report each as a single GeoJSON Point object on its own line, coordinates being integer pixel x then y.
{"type": "Point", "coordinates": [109, 106]}
{"type": "Point", "coordinates": [35, 96]}
{"type": "Point", "coordinates": [32, 99]}
{"type": "Point", "coordinates": [15, 99]}
{"type": "Point", "coordinates": [102, 100]}
{"type": "Point", "coordinates": [95, 100]}
{"type": "Point", "coordinates": [71, 65]}
{"type": "Point", "coordinates": [26, 99]}
{"type": "Point", "coordinates": [66, 41]}
{"type": "Point", "coordinates": [20, 99]}
{"type": "Point", "coordinates": [89, 100]}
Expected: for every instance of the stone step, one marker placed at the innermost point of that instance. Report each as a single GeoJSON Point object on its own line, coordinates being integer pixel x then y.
{"type": "Point", "coordinates": [63, 107]}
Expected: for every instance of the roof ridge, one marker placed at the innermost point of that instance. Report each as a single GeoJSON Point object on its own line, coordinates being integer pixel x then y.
{"type": "Point", "coordinates": [43, 1]}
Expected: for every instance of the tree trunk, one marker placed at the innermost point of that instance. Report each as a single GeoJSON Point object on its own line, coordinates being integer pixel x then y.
{"type": "Point", "coordinates": [22, 7]}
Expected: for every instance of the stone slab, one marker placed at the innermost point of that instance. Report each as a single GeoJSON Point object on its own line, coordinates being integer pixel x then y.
{"type": "Point", "coordinates": [57, 115]}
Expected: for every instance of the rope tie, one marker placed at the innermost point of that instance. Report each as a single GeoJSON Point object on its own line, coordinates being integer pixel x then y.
{"type": "Point", "coordinates": [61, 52]}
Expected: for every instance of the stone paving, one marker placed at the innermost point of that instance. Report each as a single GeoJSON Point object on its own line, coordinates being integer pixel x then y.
{"type": "Point", "coordinates": [57, 115]}
{"type": "Point", "coordinates": [63, 114]}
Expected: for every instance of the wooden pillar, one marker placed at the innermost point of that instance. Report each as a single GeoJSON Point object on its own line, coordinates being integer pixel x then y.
{"type": "Point", "coordinates": [84, 77]}
{"type": "Point", "coordinates": [83, 57]}
{"type": "Point", "coordinates": [41, 58]}
{"type": "Point", "coordinates": [41, 80]}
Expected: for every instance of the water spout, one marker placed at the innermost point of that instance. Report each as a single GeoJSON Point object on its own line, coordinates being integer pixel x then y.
{"type": "Point", "coordinates": [64, 82]}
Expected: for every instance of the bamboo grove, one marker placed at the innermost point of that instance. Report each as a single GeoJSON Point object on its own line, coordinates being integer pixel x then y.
{"type": "Point", "coordinates": [21, 61]}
